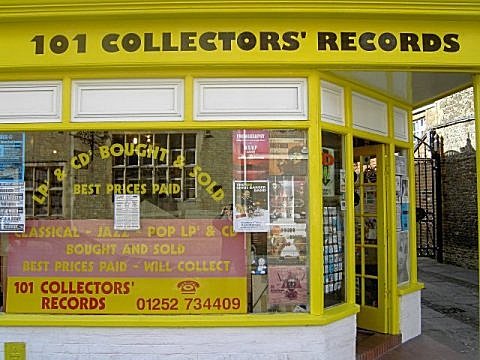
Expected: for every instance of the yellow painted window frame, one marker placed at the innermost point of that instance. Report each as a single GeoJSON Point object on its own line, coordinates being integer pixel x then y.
{"type": "Point", "coordinates": [394, 291]}
{"type": "Point", "coordinates": [318, 315]}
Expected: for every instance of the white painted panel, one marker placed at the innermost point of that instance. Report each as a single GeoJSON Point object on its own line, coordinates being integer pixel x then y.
{"type": "Point", "coordinates": [400, 120]}
{"type": "Point", "coordinates": [401, 83]}
{"type": "Point", "coordinates": [332, 106]}
{"type": "Point", "coordinates": [132, 100]}
{"type": "Point", "coordinates": [251, 99]}
{"type": "Point", "coordinates": [30, 102]}
{"type": "Point", "coordinates": [369, 114]}
{"type": "Point", "coordinates": [332, 341]}
{"type": "Point", "coordinates": [410, 315]}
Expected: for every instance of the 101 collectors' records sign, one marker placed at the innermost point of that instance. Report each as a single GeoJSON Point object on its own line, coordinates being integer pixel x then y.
{"type": "Point", "coordinates": [87, 267]}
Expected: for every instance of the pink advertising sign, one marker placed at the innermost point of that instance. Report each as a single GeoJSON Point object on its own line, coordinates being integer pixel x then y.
{"type": "Point", "coordinates": [161, 249]}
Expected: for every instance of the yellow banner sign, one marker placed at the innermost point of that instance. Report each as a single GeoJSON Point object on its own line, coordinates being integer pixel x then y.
{"type": "Point", "coordinates": [126, 296]}
{"type": "Point", "coordinates": [178, 41]}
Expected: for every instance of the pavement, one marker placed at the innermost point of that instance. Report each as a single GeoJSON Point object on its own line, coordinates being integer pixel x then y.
{"type": "Point", "coordinates": [450, 315]}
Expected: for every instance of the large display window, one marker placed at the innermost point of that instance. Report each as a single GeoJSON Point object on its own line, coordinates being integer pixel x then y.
{"type": "Point", "coordinates": [162, 222]}
{"type": "Point", "coordinates": [334, 218]}
{"type": "Point", "coordinates": [402, 203]}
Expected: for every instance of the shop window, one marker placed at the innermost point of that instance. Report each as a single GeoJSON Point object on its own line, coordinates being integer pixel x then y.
{"type": "Point", "coordinates": [403, 214]}
{"type": "Point", "coordinates": [333, 182]}
{"type": "Point", "coordinates": [42, 200]}
{"type": "Point", "coordinates": [162, 223]}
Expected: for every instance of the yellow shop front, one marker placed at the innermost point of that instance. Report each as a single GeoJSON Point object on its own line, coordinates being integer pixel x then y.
{"type": "Point", "coordinates": [188, 180]}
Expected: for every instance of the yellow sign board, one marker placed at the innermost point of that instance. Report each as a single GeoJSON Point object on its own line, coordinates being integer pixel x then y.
{"type": "Point", "coordinates": [15, 351]}
{"type": "Point", "coordinates": [177, 41]}
{"type": "Point", "coordinates": [126, 295]}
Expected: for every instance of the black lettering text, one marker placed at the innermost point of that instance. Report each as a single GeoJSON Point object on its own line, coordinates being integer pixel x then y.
{"type": "Point", "coordinates": [327, 38]}
{"type": "Point", "coordinates": [451, 43]}
{"type": "Point", "coordinates": [409, 40]}
{"type": "Point", "coordinates": [187, 40]}
{"type": "Point", "coordinates": [206, 41]}
{"type": "Point", "coordinates": [387, 41]}
{"type": "Point", "coordinates": [366, 41]}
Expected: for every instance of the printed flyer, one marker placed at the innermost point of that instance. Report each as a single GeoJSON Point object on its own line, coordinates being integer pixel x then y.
{"type": "Point", "coordinates": [251, 211]}
{"type": "Point", "coordinates": [87, 267]}
{"type": "Point", "coordinates": [251, 151]}
{"type": "Point", "coordinates": [287, 285]}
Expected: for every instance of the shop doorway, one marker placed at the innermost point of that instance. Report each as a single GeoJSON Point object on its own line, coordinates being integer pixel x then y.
{"type": "Point", "coordinates": [370, 237]}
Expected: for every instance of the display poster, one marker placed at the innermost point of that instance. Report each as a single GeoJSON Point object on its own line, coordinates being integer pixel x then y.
{"type": "Point", "coordinates": [12, 207]}
{"type": "Point", "coordinates": [282, 199]}
{"type": "Point", "coordinates": [343, 188]}
{"type": "Point", "coordinates": [403, 255]}
{"type": "Point", "coordinates": [127, 212]}
{"type": "Point", "coordinates": [328, 166]}
{"type": "Point", "coordinates": [398, 189]}
{"type": "Point", "coordinates": [251, 209]}
{"type": "Point", "coordinates": [287, 244]}
{"type": "Point", "coordinates": [288, 153]}
{"type": "Point", "coordinates": [405, 216]}
{"type": "Point", "coordinates": [405, 197]}
{"type": "Point", "coordinates": [12, 157]}
{"type": "Point", "coordinates": [86, 267]}
{"type": "Point", "coordinates": [287, 285]}
{"type": "Point", "coordinates": [12, 186]}
{"type": "Point", "coordinates": [251, 154]}
{"type": "Point", "coordinates": [400, 165]}
{"type": "Point", "coordinates": [399, 216]}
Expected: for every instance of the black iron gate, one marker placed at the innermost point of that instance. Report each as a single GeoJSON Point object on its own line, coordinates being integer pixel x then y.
{"type": "Point", "coordinates": [428, 188]}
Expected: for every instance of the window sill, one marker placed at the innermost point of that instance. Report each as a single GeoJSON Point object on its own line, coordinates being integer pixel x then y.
{"type": "Point", "coordinates": [410, 288]}
{"type": "Point", "coordinates": [247, 320]}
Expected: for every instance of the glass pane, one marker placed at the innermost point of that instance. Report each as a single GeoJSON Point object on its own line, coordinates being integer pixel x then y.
{"type": "Point", "coordinates": [358, 290]}
{"type": "Point", "coordinates": [189, 157]}
{"type": "Point", "coordinates": [161, 175]}
{"type": "Point", "coordinates": [370, 230]}
{"type": "Point", "coordinates": [358, 230]}
{"type": "Point", "coordinates": [371, 262]}
{"type": "Point", "coordinates": [56, 177]}
{"type": "Point", "coordinates": [56, 205]}
{"type": "Point", "coordinates": [118, 176]}
{"type": "Point", "coordinates": [402, 205]}
{"type": "Point", "coordinates": [175, 173]}
{"type": "Point", "coordinates": [371, 292]}
{"type": "Point", "coordinates": [174, 156]}
{"type": "Point", "coordinates": [370, 199]}
{"type": "Point", "coordinates": [41, 176]}
{"type": "Point", "coordinates": [188, 207]}
{"type": "Point", "coordinates": [175, 141]}
{"type": "Point", "coordinates": [358, 260]}
{"type": "Point", "coordinates": [118, 160]}
{"type": "Point", "coordinates": [146, 174]}
{"type": "Point", "coordinates": [333, 181]}
{"type": "Point", "coordinates": [28, 177]}
{"type": "Point", "coordinates": [190, 141]}
{"type": "Point", "coordinates": [132, 176]}
{"type": "Point", "coordinates": [40, 209]}
{"type": "Point", "coordinates": [161, 140]}
{"type": "Point", "coordinates": [147, 141]}
{"type": "Point", "coordinates": [29, 203]}
{"type": "Point", "coordinates": [356, 201]}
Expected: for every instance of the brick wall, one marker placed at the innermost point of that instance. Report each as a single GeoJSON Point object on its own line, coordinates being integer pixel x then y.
{"type": "Point", "coordinates": [453, 119]}
{"type": "Point", "coordinates": [460, 210]}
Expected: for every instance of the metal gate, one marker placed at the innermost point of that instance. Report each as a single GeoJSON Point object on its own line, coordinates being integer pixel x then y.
{"type": "Point", "coordinates": [428, 188]}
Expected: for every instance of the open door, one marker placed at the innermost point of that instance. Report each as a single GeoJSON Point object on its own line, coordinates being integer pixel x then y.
{"type": "Point", "coordinates": [370, 237]}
